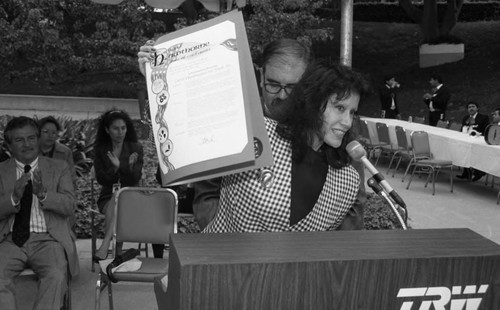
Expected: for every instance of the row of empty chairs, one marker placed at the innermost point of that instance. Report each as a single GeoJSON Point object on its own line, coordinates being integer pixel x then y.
{"type": "Point", "coordinates": [418, 154]}
{"type": "Point", "coordinates": [441, 123]}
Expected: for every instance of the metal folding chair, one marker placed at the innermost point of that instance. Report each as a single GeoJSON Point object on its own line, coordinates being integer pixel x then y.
{"type": "Point", "coordinates": [423, 161]}
{"type": "Point", "coordinates": [384, 140]}
{"type": "Point", "coordinates": [404, 149]}
{"type": "Point", "coordinates": [142, 215]}
{"type": "Point", "coordinates": [455, 126]}
{"type": "Point", "coordinates": [442, 124]}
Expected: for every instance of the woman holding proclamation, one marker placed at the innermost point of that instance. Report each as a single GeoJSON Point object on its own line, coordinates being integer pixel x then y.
{"type": "Point", "coordinates": [311, 185]}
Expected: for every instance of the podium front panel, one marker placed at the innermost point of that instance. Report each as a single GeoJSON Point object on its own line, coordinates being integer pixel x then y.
{"type": "Point", "coordinates": [432, 269]}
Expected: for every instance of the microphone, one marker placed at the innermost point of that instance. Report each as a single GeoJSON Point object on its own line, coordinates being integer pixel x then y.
{"type": "Point", "coordinates": [357, 152]}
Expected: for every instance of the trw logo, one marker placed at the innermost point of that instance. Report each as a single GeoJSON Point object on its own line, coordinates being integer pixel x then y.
{"type": "Point", "coordinates": [455, 296]}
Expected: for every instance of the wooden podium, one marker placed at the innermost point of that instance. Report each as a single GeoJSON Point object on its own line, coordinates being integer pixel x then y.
{"type": "Point", "coordinates": [412, 269]}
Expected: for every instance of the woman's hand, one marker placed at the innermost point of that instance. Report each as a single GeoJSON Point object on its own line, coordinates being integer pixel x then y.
{"type": "Point", "coordinates": [146, 54]}
{"type": "Point", "coordinates": [132, 159]}
{"type": "Point", "coordinates": [114, 160]}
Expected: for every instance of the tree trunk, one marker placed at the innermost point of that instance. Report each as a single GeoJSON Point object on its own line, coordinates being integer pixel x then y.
{"type": "Point", "coordinates": [429, 23]}
{"type": "Point", "coordinates": [453, 8]}
{"type": "Point", "coordinates": [428, 17]}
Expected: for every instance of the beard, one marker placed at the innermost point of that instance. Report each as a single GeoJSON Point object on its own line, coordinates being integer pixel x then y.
{"type": "Point", "coordinates": [276, 110]}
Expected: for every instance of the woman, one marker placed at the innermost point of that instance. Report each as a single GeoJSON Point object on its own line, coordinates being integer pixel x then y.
{"type": "Point", "coordinates": [311, 185]}
{"type": "Point", "coordinates": [118, 163]}
{"type": "Point", "coordinates": [50, 147]}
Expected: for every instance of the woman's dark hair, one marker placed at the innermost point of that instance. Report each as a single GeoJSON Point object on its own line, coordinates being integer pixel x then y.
{"type": "Point", "coordinates": [49, 119]}
{"type": "Point", "coordinates": [103, 138]}
{"type": "Point", "coordinates": [308, 101]}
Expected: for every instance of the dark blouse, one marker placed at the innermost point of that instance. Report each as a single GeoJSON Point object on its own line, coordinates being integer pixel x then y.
{"type": "Point", "coordinates": [106, 176]}
{"type": "Point", "coordinates": [308, 178]}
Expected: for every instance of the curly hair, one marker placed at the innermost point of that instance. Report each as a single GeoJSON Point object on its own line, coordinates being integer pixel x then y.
{"type": "Point", "coordinates": [106, 119]}
{"type": "Point", "coordinates": [307, 104]}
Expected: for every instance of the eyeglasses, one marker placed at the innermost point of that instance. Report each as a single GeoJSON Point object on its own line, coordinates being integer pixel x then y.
{"type": "Point", "coordinates": [275, 88]}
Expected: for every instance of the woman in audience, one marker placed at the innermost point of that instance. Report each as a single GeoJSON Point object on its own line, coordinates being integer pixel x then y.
{"type": "Point", "coordinates": [118, 163]}
{"type": "Point", "coordinates": [50, 147]}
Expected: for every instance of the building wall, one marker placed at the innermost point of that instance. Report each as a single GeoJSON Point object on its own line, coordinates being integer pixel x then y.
{"type": "Point", "coordinates": [77, 108]}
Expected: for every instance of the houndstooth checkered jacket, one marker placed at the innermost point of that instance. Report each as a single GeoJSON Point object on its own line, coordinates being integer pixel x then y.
{"type": "Point", "coordinates": [246, 206]}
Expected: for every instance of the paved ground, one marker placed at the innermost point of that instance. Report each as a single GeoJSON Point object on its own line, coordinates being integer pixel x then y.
{"type": "Point", "coordinates": [471, 205]}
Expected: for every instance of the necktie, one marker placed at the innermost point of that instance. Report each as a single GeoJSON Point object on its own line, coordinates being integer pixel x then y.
{"type": "Point", "coordinates": [21, 229]}
{"type": "Point", "coordinates": [471, 121]}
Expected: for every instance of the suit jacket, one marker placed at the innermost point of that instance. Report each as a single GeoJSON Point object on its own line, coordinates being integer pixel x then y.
{"type": "Point", "coordinates": [57, 208]}
{"type": "Point", "coordinates": [386, 94]}
{"type": "Point", "coordinates": [482, 121]}
{"type": "Point", "coordinates": [440, 99]}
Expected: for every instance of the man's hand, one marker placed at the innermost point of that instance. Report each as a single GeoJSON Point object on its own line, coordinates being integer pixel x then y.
{"type": "Point", "coordinates": [38, 189]}
{"type": "Point", "coordinates": [427, 96]}
{"type": "Point", "coordinates": [20, 185]}
{"type": "Point", "coordinates": [146, 54]}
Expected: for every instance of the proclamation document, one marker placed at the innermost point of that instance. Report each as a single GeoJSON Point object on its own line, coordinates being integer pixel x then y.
{"type": "Point", "coordinates": [205, 110]}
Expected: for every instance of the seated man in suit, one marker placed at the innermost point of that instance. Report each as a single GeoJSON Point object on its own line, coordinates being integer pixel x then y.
{"type": "Point", "coordinates": [475, 124]}
{"type": "Point", "coordinates": [36, 201]}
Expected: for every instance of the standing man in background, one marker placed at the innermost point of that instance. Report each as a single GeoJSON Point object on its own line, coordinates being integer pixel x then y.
{"type": "Point", "coordinates": [437, 101]}
{"type": "Point", "coordinates": [388, 98]}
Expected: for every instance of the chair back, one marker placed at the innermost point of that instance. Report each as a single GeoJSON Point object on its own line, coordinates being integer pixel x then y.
{"type": "Point", "coordinates": [456, 126]}
{"type": "Point", "coordinates": [364, 130]}
{"type": "Point", "coordinates": [147, 215]}
{"type": "Point", "coordinates": [401, 137]}
{"type": "Point", "coordinates": [383, 133]}
{"type": "Point", "coordinates": [442, 124]}
{"type": "Point", "coordinates": [420, 145]}
{"type": "Point", "coordinates": [420, 120]}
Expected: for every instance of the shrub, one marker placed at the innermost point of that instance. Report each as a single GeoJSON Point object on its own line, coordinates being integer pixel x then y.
{"type": "Point", "coordinates": [379, 215]}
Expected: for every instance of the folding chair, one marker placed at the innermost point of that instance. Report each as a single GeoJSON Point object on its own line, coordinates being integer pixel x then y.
{"type": "Point", "coordinates": [28, 273]}
{"type": "Point", "coordinates": [420, 120]}
{"type": "Point", "coordinates": [404, 149]}
{"type": "Point", "coordinates": [455, 126]}
{"type": "Point", "coordinates": [143, 215]}
{"type": "Point", "coordinates": [94, 214]}
{"type": "Point", "coordinates": [384, 145]}
{"type": "Point", "coordinates": [365, 140]}
{"type": "Point", "coordinates": [442, 124]}
{"type": "Point", "coordinates": [422, 160]}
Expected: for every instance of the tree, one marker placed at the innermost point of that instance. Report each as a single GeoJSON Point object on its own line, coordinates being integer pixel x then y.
{"type": "Point", "coordinates": [435, 28]}
{"type": "Point", "coordinates": [294, 19]}
{"type": "Point", "coordinates": [54, 41]}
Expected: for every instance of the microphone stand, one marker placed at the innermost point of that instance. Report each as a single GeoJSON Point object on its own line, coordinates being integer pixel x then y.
{"type": "Point", "coordinates": [394, 206]}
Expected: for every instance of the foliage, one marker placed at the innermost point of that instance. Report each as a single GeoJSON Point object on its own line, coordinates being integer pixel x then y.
{"type": "Point", "coordinates": [57, 40]}
{"type": "Point", "coordinates": [295, 19]}
{"type": "Point", "coordinates": [435, 28]}
{"type": "Point", "coordinates": [379, 215]}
